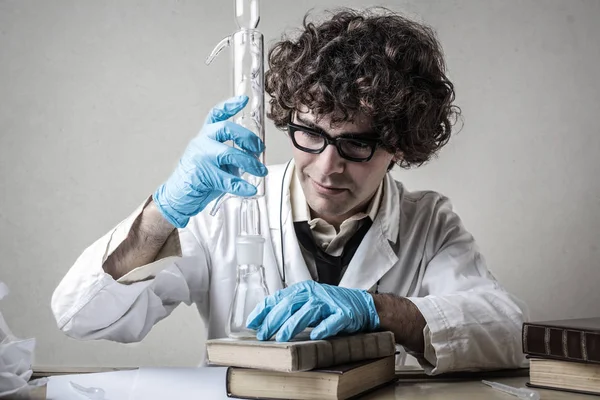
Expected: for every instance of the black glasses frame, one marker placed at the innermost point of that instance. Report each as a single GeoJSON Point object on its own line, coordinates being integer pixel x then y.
{"type": "Point", "coordinates": [372, 143]}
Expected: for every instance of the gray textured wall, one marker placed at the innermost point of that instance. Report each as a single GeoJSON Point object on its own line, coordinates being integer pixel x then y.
{"type": "Point", "coordinates": [99, 98]}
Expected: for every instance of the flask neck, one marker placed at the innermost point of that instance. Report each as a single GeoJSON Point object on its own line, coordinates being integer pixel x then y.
{"type": "Point", "coordinates": [249, 249]}
{"type": "Point", "coordinates": [250, 274]}
{"type": "Point", "coordinates": [250, 268]}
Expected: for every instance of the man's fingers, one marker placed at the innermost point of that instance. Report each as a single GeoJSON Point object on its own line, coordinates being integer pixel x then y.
{"type": "Point", "coordinates": [280, 314]}
{"type": "Point", "coordinates": [241, 160]}
{"type": "Point", "coordinates": [256, 317]}
{"type": "Point", "coordinates": [263, 308]}
{"type": "Point", "coordinates": [307, 314]}
{"type": "Point", "coordinates": [330, 326]}
{"type": "Point", "coordinates": [226, 109]}
{"type": "Point", "coordinates": [237, 186]}
{"type": "Point", "coordinates": [244, 138]}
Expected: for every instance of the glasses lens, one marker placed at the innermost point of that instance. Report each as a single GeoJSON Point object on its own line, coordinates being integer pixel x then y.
{"type": "Point", "coordinates": [308, 140]}
{"type": "Point", "coordinates": [355, 148]}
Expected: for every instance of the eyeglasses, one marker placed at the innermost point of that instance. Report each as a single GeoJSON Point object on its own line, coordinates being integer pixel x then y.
{"type": "Point", "coordinates": [352, 148]}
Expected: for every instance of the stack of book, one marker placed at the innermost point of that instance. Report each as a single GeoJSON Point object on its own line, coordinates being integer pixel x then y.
{"type": "Point", "coordinates": [564, 355]}
{"type": "Point", "coordinates": [340, 367]}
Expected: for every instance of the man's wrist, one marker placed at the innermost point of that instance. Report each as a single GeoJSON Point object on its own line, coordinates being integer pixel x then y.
{"type": "Point", "coordinates": [374, 320]}
{"type": "Point", "coordinates": [161, 205]}
{"type": "Point", "coordinates": [157, 223]}
{"type": "Point", "coordinates": [145, 238]}
{"type": "Point", "coordinates": [401, 316]}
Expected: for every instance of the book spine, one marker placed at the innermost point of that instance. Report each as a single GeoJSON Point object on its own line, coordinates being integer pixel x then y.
{"type": "Point", "coordinates": [561, 343]}
{"type": "Point", "coordinates": [342, 350]}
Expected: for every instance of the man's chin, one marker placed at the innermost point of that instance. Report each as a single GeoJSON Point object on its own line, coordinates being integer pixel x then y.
{"type": "Point", "coordinates": [327, 213]}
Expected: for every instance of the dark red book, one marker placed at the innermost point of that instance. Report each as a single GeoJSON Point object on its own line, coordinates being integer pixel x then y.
{"type": "Point", "coordinates": [567, 340]}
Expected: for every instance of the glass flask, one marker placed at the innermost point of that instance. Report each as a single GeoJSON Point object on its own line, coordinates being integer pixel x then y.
{"type": "Point", "coordinates": [250, 285]}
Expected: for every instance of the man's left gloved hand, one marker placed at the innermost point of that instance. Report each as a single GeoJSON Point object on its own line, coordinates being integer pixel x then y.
{"type": "Point", "coordinates": [330, 309]}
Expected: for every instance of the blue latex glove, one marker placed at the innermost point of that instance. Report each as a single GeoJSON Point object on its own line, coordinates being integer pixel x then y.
{"type": "Point", "coordinates": [331, 309]}
{"type": "Point", "coordinates": [209, 167]}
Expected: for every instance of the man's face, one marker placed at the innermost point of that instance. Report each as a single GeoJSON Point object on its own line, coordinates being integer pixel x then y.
{"type": "Point", "coordinates": [336, 188]}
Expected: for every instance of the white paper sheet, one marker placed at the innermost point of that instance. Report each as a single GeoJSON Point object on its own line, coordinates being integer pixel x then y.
{"type": "Point", "coordinates": [145, 384]}
{"type": "Point", "coordinates": [180, 383]}
{"type": "Point", "coordinates": [117, 385]}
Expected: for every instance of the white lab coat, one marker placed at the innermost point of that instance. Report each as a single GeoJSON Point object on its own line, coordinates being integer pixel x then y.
{"type": "Point", "coordinates": [416, 247]}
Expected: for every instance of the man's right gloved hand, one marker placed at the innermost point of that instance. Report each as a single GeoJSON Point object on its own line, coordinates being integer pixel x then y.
{"type": "Point", "coordinates": [209, 167]}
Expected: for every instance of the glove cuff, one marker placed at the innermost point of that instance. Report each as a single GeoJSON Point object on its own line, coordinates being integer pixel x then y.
{"type": "Point", "coordinates": [176, 219]}
{"type": "Point", "coordinates": [373, 322]}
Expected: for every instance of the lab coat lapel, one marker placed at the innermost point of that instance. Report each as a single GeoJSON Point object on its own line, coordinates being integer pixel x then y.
{"type": "Point", "coordinates": [373, 258]}
{"type": "Point", "coordinates": [295, 266]}
{"type": "Point", "coordinates": [270, 263]}
{"type": "Point", "coordinates": [375, 255]}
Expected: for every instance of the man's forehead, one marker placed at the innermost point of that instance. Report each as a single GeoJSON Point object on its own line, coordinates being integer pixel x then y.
{"type": "Point", "coordinates": [356, 123]}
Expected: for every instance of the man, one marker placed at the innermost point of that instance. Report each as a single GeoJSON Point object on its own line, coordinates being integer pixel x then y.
{"type": "Point", "coordinates": [350, 247]}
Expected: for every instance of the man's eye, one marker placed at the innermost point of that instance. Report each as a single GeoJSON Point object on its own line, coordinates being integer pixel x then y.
{"type": "Point", "coordinates": [310, 136]}
{"type": "Point", "coordinates": [357, 145]}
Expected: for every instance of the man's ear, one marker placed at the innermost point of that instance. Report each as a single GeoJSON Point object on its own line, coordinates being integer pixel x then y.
{"type": "Point", "coordinates": [397, 157]}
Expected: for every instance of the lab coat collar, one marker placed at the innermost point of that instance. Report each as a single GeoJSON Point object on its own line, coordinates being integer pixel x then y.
{"type": "Point", "coordinates": [295, 267]}
{"type": "Point", "coordinates": [373, 258]}
{"type": "Point", "coordinates": [275, 182]}
{"type": "Point", "coordinates": [389, 211]}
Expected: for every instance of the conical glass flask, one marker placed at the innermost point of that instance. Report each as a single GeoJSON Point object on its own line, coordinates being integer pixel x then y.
{"type": "Point", "coordinates": [250, 286]}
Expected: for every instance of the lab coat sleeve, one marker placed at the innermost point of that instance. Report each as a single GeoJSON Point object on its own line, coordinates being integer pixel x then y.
{"type": "Point", "coordinates": [89, 304]}
{"type": "Point", "coordinates": [472, 322]}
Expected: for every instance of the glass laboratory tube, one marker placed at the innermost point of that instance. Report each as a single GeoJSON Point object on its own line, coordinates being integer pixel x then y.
{"type": "Point", "coordinates": [249, 217]}
{"type": "Point", "coordinates": [248, 80]}
{"type": "Point", "coordinates": [247, 13]}
{"type": "Point", "coordinates": [250, 285]}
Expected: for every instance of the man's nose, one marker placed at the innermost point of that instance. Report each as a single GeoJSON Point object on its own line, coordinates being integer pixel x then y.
{"type": "Point", "coordinates": [330, 161]}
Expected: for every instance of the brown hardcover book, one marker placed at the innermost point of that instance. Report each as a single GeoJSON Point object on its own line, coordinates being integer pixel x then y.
{"type": "Point", "coordinates": [300, 354]}
{"type": "Point", "coordinates": [341, 382]}
{"type": "Point", "coordinates": [564, 375]}
{"type": "Point", "coordinates": [569, 340]}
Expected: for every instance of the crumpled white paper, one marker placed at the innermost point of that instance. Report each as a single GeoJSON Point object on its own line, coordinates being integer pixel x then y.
{"type": "Point", "coordinates": [16, 356]}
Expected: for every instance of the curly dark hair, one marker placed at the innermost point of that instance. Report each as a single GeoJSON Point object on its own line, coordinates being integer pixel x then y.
{"type": "Point", "coordinates": [374, 63]}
